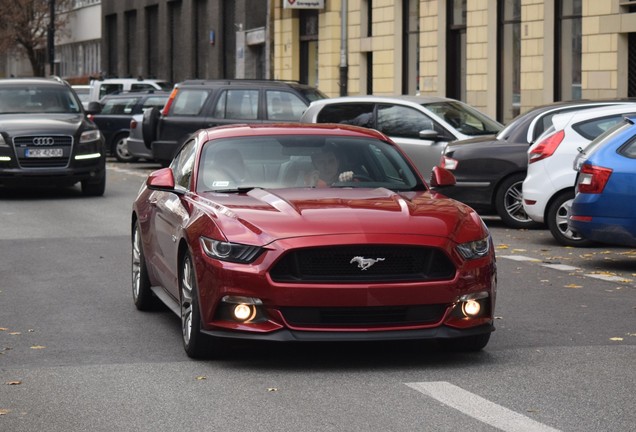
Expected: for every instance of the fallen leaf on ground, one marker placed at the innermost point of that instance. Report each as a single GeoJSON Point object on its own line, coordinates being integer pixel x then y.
{"type": "Point", "coordinates": [3, 329]}
{"type": "Point", "coordinates": [503, 246]}
{"type": "Point", "coordinates": [4, 411]}
{"type": "Point", "coordinates": [616, 339]}
{"type": "Point", "coordinates": [272, 389]}
{"type": "Point", "coordinates": [573, 286]}
{"type": "Point", "coordinates": [38, 347]}
{"type": "Point", "coordinates": [16, 382]}
{"type": "Point", "coordinates": [15, 333]}
{"type": "Point", "coordinates": [201, 378]}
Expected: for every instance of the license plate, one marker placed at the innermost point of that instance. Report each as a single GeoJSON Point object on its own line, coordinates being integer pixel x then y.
{"type": "Point", "coordinates": [43, 153]}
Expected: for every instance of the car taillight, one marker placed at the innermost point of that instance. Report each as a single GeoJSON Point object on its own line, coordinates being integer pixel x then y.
{"type": "Point", "coordinates": [166, 108]}
{"type": "Point", "coordinates": [546, 147]}
{"type": "Point", "coordinates": [592, 179]}
{"type": "Point", "coordinates": [449, 163]}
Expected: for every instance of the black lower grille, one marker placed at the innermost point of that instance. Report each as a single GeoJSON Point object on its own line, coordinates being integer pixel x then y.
{"type": "Point", "coordinates": [364, 316]}
{"type": "Point", "coordinates": [363, 263]}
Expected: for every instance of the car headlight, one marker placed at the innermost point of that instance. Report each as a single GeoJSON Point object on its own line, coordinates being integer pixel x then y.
{"type": "Point", "coordinates": [233, 252]}
{"type": "Point", "coordinates": [89, 135]}
{"type": "Point", "coordinates": [474, 249]}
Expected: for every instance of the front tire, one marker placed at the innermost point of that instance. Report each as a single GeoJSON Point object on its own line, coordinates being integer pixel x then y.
{"type": "Point", "coordinates": [120, 149]}
{"type": "Point", "coordinates": [557, 219]}
{"type": "Point", "coordinates": [194, 341]}
{"type": "Point", "coordinates": [142, 294]}
{"type": "Point", "coordinates": [509, 203]}
{"type": "Point", "coordinates": [94, 188]}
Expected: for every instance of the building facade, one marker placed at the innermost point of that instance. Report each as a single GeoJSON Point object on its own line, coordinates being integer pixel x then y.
{"type": "Point", "coordinates": [502, 56]}
{"type": "Point", "coordinates": [185, 39]}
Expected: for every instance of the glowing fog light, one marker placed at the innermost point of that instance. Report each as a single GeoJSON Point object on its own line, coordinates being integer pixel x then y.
{"type": "Point", "coordinates": [243, 312]}
{"type": "Point", "coordinates": [471, 308]}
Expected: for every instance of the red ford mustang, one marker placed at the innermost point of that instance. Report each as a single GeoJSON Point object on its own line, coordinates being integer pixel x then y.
{"type": "Point", "coordinates": [309, 233]}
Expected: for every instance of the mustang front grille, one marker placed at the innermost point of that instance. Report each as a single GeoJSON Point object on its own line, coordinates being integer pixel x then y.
{"type": "Point", "coordinates": [364, 316]}
{"type": "Point", "coordinates": [363, 263]}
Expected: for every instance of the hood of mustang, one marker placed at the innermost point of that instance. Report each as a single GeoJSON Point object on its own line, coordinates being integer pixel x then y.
{"type": "Point", "coordinates": [262, 216]}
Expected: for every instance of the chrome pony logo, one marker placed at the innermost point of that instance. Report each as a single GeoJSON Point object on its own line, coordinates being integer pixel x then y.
{"type": "Point", "coordinates": [364, 263]}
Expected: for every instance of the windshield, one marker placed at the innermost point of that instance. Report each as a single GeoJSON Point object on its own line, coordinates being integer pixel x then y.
{"type": "Point", "coordinates": [464, 118]}
{"type": "Point", "coordinates": [38, 99]}
{"type": "Point", "coordinates": [237, 164]}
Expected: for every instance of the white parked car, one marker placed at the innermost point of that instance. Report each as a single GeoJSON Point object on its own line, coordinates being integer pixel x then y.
{"type": "Point", "coordinates": [548, 189]}
{"type": "Point", "coordinates": [421, 125]}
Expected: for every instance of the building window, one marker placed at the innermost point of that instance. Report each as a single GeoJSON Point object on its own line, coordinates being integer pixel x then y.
{"type": "Point", "coordinates": [568, 52]}
{"type": "Point", "coordinates": [410, 47]}
{"type": "Point", "coordinates": [456, 50]}
{"type": "Point", "coordinates": [509, 61]}
{"type": "Point", "coordinates": [309, 47]}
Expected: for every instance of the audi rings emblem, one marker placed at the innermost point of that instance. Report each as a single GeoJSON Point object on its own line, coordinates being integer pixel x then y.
{"type": "Point", "coordinates": [43, 141]}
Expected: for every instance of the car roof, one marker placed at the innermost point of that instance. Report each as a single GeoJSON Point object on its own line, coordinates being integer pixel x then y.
{"type": "Point", "coordinates": [237, 130]}
{"type": "Point", "coordinates": [383, 99]}
{"type": "Point", "coordinates": [562, 120]}
{"type": "Point", "coordinates": [31, 80]}
{"type": "Point", "coordinates": [250, 82]}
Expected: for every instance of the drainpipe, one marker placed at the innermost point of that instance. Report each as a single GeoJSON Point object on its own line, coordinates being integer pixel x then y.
{"type": "Point", "coordinates": [343, 50]}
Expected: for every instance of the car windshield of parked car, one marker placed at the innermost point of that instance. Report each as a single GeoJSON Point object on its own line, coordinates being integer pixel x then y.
{"type": "Point", "coordinates": [38, 99]}
{"type": "Point", "coordinates": [464, 118]}
{"type": "Point", "coordinates": [274, 162]}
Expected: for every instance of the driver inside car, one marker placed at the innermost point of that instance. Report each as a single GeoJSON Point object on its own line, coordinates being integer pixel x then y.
{"type": "Point", "coordinates": [327, 170]}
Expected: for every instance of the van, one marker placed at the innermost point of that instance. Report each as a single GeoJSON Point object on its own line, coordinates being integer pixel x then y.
{"type": "Point", "coordinates": [102, 87]}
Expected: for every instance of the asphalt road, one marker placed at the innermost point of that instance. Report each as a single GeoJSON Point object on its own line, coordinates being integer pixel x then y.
{"type": "Point", "coordinates": [75, 355]}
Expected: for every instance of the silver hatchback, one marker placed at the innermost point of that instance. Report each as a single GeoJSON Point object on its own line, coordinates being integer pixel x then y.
{"type": "Point", "coordinates": [422, 126]}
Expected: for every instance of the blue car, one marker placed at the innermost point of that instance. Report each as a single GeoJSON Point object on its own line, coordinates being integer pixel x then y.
{"type": "Point", "coordinates": [604, 209]}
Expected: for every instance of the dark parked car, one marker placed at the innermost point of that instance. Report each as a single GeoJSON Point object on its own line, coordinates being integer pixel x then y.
{"type": "Point", "coordinates": [604, 207]}
{"type": "Point", "coordinates": [116, 113]}
{"type": "Point", "coordinates": [201, 104]}
{"type": "Point", "coordinates": [231, 239]}
{"type": "Point", "coordinates": [45, 137]}
{"type": "Point", "coordinates": [490, 170]}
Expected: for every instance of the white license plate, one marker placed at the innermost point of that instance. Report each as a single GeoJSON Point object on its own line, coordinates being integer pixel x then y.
{"type": "Point", "coordinates": [43, 153]}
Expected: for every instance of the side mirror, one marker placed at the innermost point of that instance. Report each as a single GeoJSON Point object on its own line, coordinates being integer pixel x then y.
{"type": "Point", "coordinates": [162, 179]}
{"type": "Point", "coordinates": [94, 108]}
{"type": "Point", "coordinates": [441, 177]}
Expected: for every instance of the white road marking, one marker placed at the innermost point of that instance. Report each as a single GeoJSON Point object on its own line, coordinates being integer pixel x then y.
{"type": "Point", "coordinates": [562, 267]}
{"type": "Point", "coordinates": [479, 408]}
{"type": "Point", "coordinates": [518, 258]}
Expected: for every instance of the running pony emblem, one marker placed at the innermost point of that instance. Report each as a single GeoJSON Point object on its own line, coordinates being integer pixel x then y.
{"type": "Point", "coordinates": [364, 263]}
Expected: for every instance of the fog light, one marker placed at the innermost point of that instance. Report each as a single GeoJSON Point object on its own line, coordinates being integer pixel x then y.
{"type": "Point", "coordinates": [243, 312]}
{"type": "Point", "coordinates": [471, 308]}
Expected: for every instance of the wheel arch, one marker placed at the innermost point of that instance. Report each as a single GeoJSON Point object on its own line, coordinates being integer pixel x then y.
{"type": "Point", "coordinates": [553, 198]}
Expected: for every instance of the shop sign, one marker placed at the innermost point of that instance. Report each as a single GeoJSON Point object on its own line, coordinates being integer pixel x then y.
{"type": "Point", "coordinates": [303, 4]}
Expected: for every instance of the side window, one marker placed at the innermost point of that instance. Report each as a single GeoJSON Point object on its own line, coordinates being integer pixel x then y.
{"type": "Point", "coordinates": [283, 105]}
{"type": "Point", "coordinates": [105, 89]}
{"type": "Point", "coordinates": [592, 128]}
{"type": "Point", "coordinates": [237, 104]}
{"type": "Point", "coordinates": [400, 121]}
{"type": "Point", "coordinates": [352, 114]}
{"type": "Point", "coordinates": [189, 102]}
{"type": "Point", "coordinates": [183, 164]}
{"type": "Point", "coordinates": [154, 101]}
{"type": "Point", "coordinates": [119, 106]}
{"type": "Point", "coordinates": [141, 87]}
